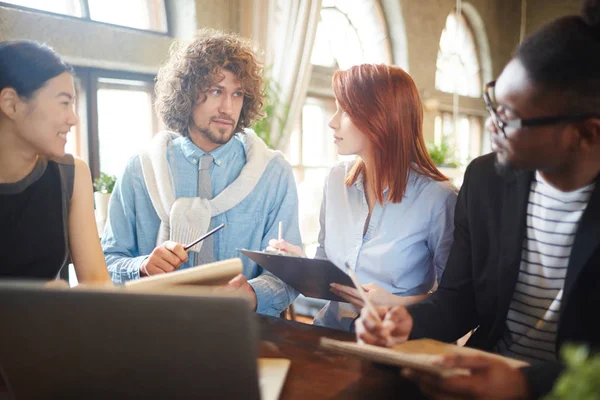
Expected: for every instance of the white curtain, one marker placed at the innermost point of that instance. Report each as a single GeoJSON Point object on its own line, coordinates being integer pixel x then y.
{"type": "Point", "coordinates": [291, 30]}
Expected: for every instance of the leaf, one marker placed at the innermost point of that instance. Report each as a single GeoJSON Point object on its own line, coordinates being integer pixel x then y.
{"type": "Point", "coordinates": [442, 155]}
{"type": "Point", "coordinates": [581, 377]}
{"type": "Point", "coordinates": [274, 111]}
{"type": "Point", "coordinates": [105, 183]}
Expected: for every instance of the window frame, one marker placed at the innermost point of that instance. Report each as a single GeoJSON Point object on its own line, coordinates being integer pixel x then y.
{"type": "Point", "coordinates": [89, 79]}
{"type": "Point", "coordinates": [85, 11]}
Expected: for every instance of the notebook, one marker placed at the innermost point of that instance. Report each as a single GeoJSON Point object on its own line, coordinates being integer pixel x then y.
{"type": "Point", "coordinates": [213, 274]}
{"type": "Point", "coordinates": [418, 354]}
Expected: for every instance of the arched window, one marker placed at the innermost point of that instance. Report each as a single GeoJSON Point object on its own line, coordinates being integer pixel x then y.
{"type": "Point", "coordinates": [350, 32]}
{"type": "Point", "coordinates": [457, 67]}
{"type": "Point", "coordinates": [462, 64]}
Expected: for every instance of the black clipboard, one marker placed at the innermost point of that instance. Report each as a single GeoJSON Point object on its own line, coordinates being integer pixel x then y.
{"type": "Point", "coordinates": [309, 276]}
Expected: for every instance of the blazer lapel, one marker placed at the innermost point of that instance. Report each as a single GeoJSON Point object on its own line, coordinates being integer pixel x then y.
{"type": "Point", "coordinates": [514, 208]}
{"type": "Point", "coordinates": [586, 241]}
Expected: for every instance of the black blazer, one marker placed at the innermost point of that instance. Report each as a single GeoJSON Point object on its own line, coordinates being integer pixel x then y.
{"type": "Point", "coordinates": [482, 269]}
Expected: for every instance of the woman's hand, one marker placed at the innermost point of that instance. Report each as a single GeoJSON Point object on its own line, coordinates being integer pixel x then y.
{"type": "Point", "coordinates": [375, 293]}
{"type": "Point", "coordinates": [285, 248]}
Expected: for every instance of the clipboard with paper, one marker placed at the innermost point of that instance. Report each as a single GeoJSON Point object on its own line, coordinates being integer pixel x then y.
{"type": "Point", "coordinates": [309, 276]}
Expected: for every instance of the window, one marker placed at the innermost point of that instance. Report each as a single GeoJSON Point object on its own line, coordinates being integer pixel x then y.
{"type": "Point", "coordinates": [468, 142]}
{"type": "Point", "coordinates": [65, 7]}
{"type": "Point", "coordinates": [139, 14]}
{"type": "Point", "coordinates": [350, 32]}
{"type": "Point", "coordinates": [116, 121]}
{"type": "Point", "coordinates": [457, 67]}
{"type": "Point", "coordinates": [117, 118]}
{"type": "Point", "coordinates": [312, 152]}
{"type": "Point", "coordinates": [458, 72]}
{"type": "Point", "coordinates": [126, 121]}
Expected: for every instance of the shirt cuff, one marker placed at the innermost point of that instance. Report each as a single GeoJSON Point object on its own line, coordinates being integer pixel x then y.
{"type": "Point", "coordinates": [265, 297]}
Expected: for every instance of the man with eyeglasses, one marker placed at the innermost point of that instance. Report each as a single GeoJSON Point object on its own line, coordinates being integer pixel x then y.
{"type": "Point", "coordinates": [524, 269]}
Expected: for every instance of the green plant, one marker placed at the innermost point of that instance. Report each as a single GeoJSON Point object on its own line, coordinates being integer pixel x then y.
{"type": "Point", "coordinates": [274, 111]}
{"type": "Point", "coordinates": [442, 155]}
{"type": "Point", "coordinates": [581, 377]}
{"type": "Point", "coordinates": [105, 183]}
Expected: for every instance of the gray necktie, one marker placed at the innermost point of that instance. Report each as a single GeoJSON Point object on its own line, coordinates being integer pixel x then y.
{"type": "Point", "coordinates": [206, 254]}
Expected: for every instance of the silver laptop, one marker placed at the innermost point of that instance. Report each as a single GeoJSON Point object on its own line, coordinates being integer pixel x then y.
{"type": "Point", "coordinates": [57, 343]}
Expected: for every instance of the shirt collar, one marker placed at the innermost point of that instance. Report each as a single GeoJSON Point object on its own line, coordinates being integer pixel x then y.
{"type": "Point", "coordinates": [192, 153]}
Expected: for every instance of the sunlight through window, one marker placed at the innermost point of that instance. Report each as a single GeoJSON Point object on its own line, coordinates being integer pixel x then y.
{"type": "Point", "coordinates": [140, 14]}
{"type": "Point", "coordinates": [66, 7]}
{"type": "Point", "coordinates": [125, 122]}
{"type": "Point", "coordinates": [457, 66]}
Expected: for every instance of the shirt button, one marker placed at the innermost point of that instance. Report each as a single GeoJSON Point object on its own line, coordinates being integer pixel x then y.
{"type": "Point", "coordinates": [218, 162]}
{"type": "Point", "coordinates": [195, 161]}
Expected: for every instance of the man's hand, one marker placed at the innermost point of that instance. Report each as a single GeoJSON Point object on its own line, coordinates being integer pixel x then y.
{"type": "Point", "coordinates": [165, 258]}
{"type": "Point", "coordinates": [240, 286]}
{"type": "Point", "coordinates": [490, 379]}
{"type": "Point", "coordinates": [394, 329]}
{"type": "Point", "coordinates": [375, 293]}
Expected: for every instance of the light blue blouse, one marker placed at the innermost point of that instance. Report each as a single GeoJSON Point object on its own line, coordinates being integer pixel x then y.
{"type": "Point", "coordinates": [405, 247]}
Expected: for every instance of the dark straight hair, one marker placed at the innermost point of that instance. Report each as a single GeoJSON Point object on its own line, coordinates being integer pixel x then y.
{"type": "Point", "coordinates": [26, 66]}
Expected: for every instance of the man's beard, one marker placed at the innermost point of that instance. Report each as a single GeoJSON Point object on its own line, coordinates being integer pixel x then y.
{"type": "Point", "coordinates": [222, 137]}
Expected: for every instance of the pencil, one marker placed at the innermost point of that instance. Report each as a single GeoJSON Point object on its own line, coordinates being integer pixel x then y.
{"type": "Point", "coordinates": [201, 238]}
{"type": "Point", "coordinates": [362, 293]}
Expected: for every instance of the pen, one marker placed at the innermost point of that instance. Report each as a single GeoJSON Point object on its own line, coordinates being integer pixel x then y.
{"type": "Point", "coordinates": [201, 238]}
{"type": "Point", "coordinates": [280, 233]}
{"type": "Point", "coordinates": [362, 293]}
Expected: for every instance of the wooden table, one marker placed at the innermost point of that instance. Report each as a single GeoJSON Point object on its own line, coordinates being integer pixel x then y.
{"type": "Point", "coordinates": [318, 374]}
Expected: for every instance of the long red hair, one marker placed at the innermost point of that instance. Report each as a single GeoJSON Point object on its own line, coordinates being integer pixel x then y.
{"type": "Point", "coordinates": [384, 104]}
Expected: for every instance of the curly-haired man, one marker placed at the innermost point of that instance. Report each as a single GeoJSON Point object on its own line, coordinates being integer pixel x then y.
{"type": "Point", "coordinates": [206, 170]}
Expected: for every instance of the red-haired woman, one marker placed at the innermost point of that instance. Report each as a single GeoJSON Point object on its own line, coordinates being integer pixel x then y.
{"type": "Point", "coordinates": [388, 213]}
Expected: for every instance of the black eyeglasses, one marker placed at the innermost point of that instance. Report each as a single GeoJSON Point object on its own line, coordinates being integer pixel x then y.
{"type": "Point", "coordinates": [519, 123]}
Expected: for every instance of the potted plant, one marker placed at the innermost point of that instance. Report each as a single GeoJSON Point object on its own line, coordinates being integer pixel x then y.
{"type": "Point", "coordinates": [581, 377]}
{"type": "Point", "coordinates": [443, 157]}
{"type": "Point", "coordinates": [103, 187]}
{"type": "Point", "coordinates": [273, 112]}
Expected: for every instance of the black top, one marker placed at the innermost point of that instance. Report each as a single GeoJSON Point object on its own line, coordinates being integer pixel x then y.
{"type": "Point", "coordinates": [32, 241]}
{"type": "Point", "coordinates": [483, 266]}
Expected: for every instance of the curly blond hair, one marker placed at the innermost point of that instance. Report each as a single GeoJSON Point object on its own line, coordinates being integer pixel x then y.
{"type": "Point", "coordinates": [193, 68]}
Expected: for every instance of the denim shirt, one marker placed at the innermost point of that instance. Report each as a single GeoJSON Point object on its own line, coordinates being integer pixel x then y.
{"type": "Point", "coordinates": [132, 225]}
{"type": "Point", "coordinates": [406, 244]}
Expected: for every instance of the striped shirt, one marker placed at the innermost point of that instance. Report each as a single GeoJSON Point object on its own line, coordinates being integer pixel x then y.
{"type": "Point", "coordinates": [552, 220]}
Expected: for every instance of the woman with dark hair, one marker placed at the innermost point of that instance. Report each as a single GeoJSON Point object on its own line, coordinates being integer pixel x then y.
{"type": "Point", "coordinates": [388, 214]}
{"type": "Point", "coordinates": [46, 205]}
